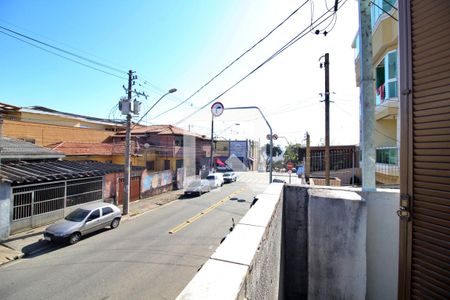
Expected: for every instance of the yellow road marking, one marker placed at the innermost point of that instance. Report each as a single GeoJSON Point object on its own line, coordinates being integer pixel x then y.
{"type": "Point", "coordinates": [204, 212]}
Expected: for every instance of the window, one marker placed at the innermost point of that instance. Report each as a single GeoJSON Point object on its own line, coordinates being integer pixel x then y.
{"type": "Point", "coordinates": [166, 164]}
{"type": "Point", "coordinates": [179, 163]}
{"type": "Point", "coordinates": [377, 7]}
{"type": "Point", "coordinates": [386, 78]}
{"type": "Point", "coordinates": [390, 64]}
{"type": "Point", "coordinates": [150, 165]}
{"type": "Point", "coordinates": [387, 156]}
{"type": "Point", "coordinates": [94, 215]}
{"type": "Point", "coordinates": [106, 211]}
{"type": "Point", "coordinates": [179, 141]}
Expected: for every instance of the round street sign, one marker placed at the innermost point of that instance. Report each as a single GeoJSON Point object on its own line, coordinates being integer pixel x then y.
{"type": "Point", "coordinates": [289, 165]}
{"type": "Point", "coordinates": [217, 109]}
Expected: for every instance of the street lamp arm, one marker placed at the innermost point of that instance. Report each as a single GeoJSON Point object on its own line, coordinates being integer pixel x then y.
{"type": "Point", "coordinates": [169, 92]}
{"type": "Point", "coordinates": [271, 139]}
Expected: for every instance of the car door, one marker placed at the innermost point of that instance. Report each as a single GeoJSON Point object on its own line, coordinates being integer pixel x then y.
{"type": "Point", "coordinates": [92, 222]}
{"type": "Point", "coordinates": [107, 216]}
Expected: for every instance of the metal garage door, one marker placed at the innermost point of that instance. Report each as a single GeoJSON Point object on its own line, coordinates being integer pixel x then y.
{"type": "Point", "coordinates": [425, 161]}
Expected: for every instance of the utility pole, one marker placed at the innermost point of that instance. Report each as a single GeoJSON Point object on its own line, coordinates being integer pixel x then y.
{"type": "Point", "coordinates": [367, 98]}
{"type": "Point", "coordinates": [327, 119]}
{"type": "Point", "coordinates": [308, 158]}
{"type": "Point", "coordinates": [126, 187]}
{"type": "Point", "coordinates": [211, 167]}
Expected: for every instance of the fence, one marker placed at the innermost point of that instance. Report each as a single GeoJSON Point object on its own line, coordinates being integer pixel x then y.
{"type": "Point", "coordinates": [344, 164]}
{"type": "Point", "coordinates": [39, 204]}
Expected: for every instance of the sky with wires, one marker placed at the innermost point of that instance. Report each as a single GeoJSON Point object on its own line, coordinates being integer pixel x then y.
{"type": "Point", "coordinates": [74, 56]}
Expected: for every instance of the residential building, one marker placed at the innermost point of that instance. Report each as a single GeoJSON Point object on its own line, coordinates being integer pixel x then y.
{"type": "Point", "coordinates": [44, 126]}
{"type": "Point", "coordinates": [384, 15]}
{"type": "Point", "coordinates": [167, 147]}
{"type": "Point", "coordinates": [240, 155]}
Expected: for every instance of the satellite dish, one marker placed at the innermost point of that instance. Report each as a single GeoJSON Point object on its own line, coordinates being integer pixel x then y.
{"type": "Point", "coordinates": [146, 145]}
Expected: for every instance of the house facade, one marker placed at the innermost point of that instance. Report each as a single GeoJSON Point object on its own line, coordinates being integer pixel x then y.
{"type": "Point", "coordinates": [44, 126]}
{"type": "Point", "coordinates": [167, 147]}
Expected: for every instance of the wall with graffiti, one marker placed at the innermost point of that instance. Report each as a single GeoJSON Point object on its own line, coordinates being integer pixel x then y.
{"type": "Point", "coordinates": [153, 183]}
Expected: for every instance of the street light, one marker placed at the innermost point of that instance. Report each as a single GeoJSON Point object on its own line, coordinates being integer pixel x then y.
{"type": "Point", "coordinates": [143, 116]}
{"type": "Point", "coordinates": [271, 136]}
{"type": "Point", "coordinates": [126, 188]}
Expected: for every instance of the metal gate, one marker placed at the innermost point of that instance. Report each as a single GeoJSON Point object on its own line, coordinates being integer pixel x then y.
{"type": "Point", "coordinates": [135, 189]}
{"type": "Point", "coordinates": [425, 143]}
{"type": "Point", "coordinates": [39, 204]}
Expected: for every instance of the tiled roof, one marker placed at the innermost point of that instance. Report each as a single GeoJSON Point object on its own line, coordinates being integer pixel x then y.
{"type": "Point", "coordinates": [15, 149]}
{"type": "Point", "coordinates": [44, 171]}
{"type": "Point", "coordinates": [87, 148]}
{"type": "Point", "coordinates": [160, 130]}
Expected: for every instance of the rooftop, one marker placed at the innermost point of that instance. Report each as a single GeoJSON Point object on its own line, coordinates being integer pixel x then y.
{"type": "Point", "coordinates": [44, 171]}
{"type": "Point", "coordinates": [88, 148]}
{"type": "Point", "coordinates": [160, 130]}
{"type": "Point", "coordinates": [15, 149]}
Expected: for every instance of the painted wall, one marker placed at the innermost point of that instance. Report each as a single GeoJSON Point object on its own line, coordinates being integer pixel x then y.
{"type": "Point", "coordinates": [153, 183]}
{"type": "Point", "coordinates": [386, 134]}
{"type": "Point", "coordinates": [45, 134]}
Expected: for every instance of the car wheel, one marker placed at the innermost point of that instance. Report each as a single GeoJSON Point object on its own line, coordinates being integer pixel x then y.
{"type": "Point", "coordinates": [74, 238]}
{"type": "Point", "coordinates": [115, 223]}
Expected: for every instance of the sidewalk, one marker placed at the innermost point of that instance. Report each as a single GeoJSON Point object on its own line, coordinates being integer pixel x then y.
{"type": "Point", "coordinates": [31, 241]}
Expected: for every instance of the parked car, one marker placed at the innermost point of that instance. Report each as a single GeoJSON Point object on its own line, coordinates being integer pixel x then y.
{"type": "Point", "coordinates": [197, 187]}
{"type": "Point", "coordinates": [82, 221]}
{"type": "Point", "coordinates": [215, 180]}
{"type": "Point", "coordinates": [224, 169]}
{"type": "Point", "coordinates": [229, 177]}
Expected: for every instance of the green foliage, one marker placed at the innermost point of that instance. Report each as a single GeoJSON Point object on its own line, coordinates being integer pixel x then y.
{"type": "Point", "coordinates": [291, 153]}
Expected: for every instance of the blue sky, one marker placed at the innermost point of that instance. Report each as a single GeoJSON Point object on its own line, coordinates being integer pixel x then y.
{"type": "Point", "coordinates": [182, 44]}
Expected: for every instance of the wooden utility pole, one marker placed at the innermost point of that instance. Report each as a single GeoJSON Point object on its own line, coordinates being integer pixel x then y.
{"type": "Point", "coordinates": [126, 181]}
{"type": "Point", "coordinates": [327, 119]}
{"type": "Point", "coordinates": [308, 158]}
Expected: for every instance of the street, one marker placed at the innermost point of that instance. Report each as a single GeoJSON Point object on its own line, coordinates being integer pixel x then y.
{"type": "Point", "coordinates": [140, 259]}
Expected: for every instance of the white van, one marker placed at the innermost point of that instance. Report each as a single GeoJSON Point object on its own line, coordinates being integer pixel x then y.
{"type": "Point", "coordinates": [215, 179]}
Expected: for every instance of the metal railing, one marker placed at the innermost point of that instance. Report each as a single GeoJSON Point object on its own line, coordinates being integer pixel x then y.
{"type": "Point", "coordinates": [38, 199]}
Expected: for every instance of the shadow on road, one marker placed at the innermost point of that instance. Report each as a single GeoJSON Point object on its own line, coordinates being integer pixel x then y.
{"type": "Point", "coordinates": [42, 246]}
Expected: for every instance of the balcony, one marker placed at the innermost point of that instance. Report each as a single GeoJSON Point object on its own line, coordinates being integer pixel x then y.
{"type": "Point", "coordinates": [300, 242]}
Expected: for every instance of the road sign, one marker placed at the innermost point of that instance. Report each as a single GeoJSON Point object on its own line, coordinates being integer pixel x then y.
{"type": "Point", "coordinates": [217, 109]}
{"type": "Point", "coordinates": [289, 172]}
{"type": "Point", "coordinates": [275, 136]}
{"type": "Point", "coordinates": [290, 165]}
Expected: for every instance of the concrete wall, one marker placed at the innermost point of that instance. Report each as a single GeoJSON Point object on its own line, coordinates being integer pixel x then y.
{"type": "Point", "coordinates": [247, 264]}
{"type": "Point", "coordinates": [295, 242]}
{"type": "Point", "coordinates": [5, 210]}
{"type": "Point", "coordinates": [382, 243]}
{"type": "Point", "coordinates": [336, 244]}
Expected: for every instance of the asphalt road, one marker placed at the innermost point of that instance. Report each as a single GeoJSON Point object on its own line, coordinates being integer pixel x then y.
{"type": "Point", "coordinates": [140, 259]}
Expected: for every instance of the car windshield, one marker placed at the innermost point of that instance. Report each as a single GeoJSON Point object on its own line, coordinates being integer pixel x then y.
{"type": "Point", "coordinates": [195, 184]}
{"type": "Point", "coordinates": [77, 215]}
{"type": "Point", "coordinates": [226, 175]}
{"type": "Point", "coordinates": [211, 177]}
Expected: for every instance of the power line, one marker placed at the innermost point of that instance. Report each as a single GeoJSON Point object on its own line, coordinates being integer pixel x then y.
{"type": "Point", "coordinates": [62, 56]}
{"type": "Point", "coordinates": [235, 60]}
{"type": "Point", "coordinates": [64, 51]}
{"type": "Point", "coordinates": [279, 51]}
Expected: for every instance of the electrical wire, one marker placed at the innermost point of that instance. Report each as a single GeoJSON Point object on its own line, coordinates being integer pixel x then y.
{"type": "Point", "coordinates": [235, 60]}
{"type": "Point", "coordinates": [279, 51]}
{"type": "Point", "coordinates": [64, 51]}
{"type": "Point", "coordinates": [62, 56]}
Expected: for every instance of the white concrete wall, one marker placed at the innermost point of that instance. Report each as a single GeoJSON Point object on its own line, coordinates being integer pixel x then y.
{"type": "Point", "coordinates": [336, 244]}
{"type": "Point", "coordinates": [382, 243]}
{"type": "Point", "coordinates": [5, 210]}
{"type": "Point", "coordinates": [247, 264]}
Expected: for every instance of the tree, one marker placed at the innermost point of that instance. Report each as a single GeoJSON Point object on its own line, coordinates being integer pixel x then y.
{"type": "Point", "coordinates": [276, 151]}
{"type": "Point", "coordinates": [291, 153]}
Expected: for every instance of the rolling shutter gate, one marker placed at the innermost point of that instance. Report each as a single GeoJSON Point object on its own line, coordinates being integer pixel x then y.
{"type": "Point", "coordinates": [430, 242]}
